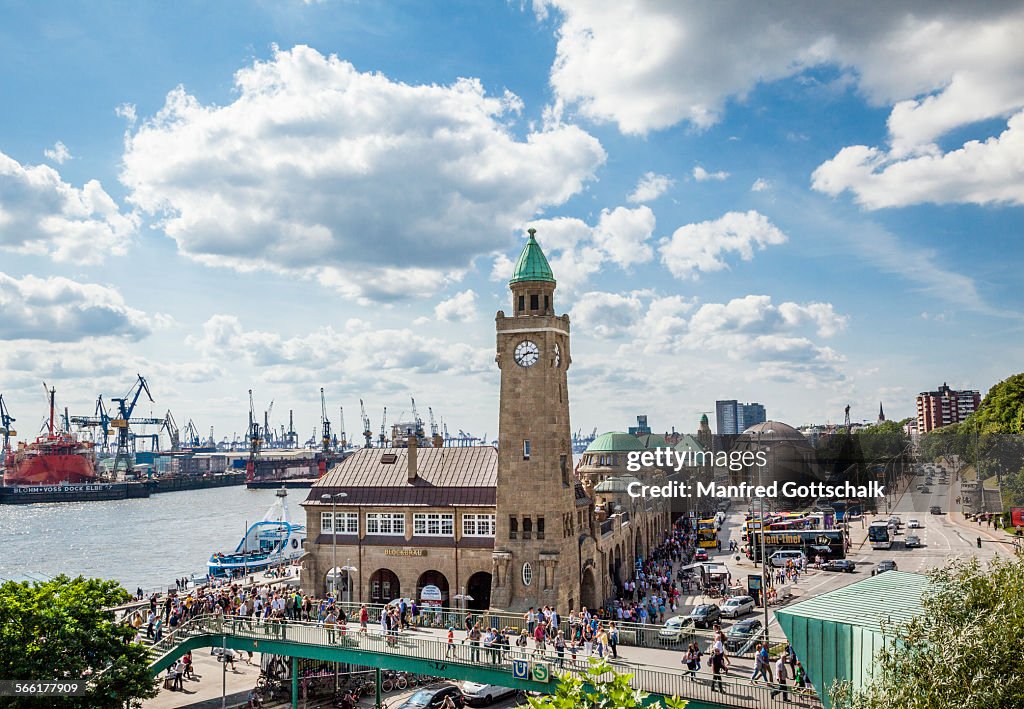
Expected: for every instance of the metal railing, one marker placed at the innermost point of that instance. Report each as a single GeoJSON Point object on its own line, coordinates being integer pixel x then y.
{"type": "Point", "coordinates": [443, 657]}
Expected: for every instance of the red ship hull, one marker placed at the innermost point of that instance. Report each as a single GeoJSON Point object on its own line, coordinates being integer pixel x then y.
{"type": "Point", "coordinates": [51, 463]}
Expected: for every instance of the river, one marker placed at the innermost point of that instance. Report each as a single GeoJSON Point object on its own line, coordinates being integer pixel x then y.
{"type": "Point", "coordinates": [145, 542]}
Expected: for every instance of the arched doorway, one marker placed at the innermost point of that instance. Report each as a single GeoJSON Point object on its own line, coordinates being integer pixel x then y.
{"type": "Point", "coordinates": [638, 548]}
{"type": "Point", "coordinates": [479, 587]}
{"type": "Point", "coordinates": [384, 586]}
{"type": "Point", "coordinates": [588, 592]}
{"type": "Point", "coordinates": [439, 582]}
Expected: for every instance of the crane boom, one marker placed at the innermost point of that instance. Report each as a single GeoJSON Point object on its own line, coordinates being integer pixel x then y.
{"type": "Point", "coordinates": [344, 436]}
{"type": "Point", "coordinates": [325, 423]}
{"type": "Point", "coordinates": [383, 440]}
{"type": "Point", "coordinates": [367, 433]}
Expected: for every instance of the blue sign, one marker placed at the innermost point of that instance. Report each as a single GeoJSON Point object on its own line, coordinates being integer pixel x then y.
{"type": "Point", "coordinates": [520, 669]}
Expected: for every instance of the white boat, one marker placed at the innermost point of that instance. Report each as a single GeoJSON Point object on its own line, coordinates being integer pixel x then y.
{"type": "Point", "coordinates": [273, 541]}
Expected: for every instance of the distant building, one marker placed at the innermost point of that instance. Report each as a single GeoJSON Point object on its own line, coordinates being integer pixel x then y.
{"type": "Point", "coordinates": [881, 413]}
{"type": "Point", "coordinates": [945, 406]}
{"type": "Point", "coordinates": [734, 418]}
{"type": "Point", "coordinates": [641, 428]}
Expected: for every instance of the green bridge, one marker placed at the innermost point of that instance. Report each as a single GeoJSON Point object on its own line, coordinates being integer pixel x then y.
{"type": "Point", "coordinates": [529, 671]}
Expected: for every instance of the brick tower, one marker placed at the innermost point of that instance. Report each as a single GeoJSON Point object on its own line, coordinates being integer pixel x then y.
{"type": "Point", "coordinates": [536, 555]}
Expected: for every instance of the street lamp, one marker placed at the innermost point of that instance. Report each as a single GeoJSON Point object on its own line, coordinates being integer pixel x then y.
{"type": "Point", "coordinates": [764, 556]}
{"type": "Point", "coordinates": [349, 570]}
{"type": "Point", "coordinates": [333, 499]}
{"type": "Point", "coordinates": [462, 598]}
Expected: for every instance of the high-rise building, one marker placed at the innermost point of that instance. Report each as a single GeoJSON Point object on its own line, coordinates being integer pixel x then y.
{"type": "Point", "coordinates": [945, 406]}
{"type": "Point", "coordinates": [734, 417]}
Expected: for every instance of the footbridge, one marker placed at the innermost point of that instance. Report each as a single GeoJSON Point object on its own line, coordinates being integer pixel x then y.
{"type": "Point", "coordinates": [529, 671]}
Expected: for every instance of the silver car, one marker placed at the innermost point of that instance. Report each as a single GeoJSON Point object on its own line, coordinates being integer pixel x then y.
{"type": "Point", "coordinates": [737, 606]}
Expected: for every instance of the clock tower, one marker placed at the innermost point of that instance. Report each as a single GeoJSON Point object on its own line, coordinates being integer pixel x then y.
{"type": "Point", "coordinates": [536, 552]}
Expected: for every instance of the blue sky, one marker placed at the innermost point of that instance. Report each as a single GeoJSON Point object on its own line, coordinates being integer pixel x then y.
{"type": "Point", "coordinates": [800, 206]}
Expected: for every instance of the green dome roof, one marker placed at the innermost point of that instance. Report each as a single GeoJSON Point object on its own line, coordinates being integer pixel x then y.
{"type": "Point", "coordinates": [703, 418]}
{"type": "Point", "coordinates": [653, 440]}
{"type": "Point", "coordinates": [532, 265]}
{"type": "Point", "coordinates": [615, 441]}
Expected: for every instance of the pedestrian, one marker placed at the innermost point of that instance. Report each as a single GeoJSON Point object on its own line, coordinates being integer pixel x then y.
{"type": "Point", "coordinates": [613, 640]}
{"type": "Point", "coordinates": [692, 660]}
{"type": "Point", "coordinates": [780, 678]}
{"type": "Point", "coordinates": [474, 642]}
{"type": "Point", "coordinates": [560, 647]}
{"type": "Point", "coordinates": [800, 678]}
{"type": "Point", "coordinates": [450, 649]}
{"type": "Point", "coordinates": [760, 669]}
{"type": "Point", "coordinates": [718, 665]}
{"type": "Point", "coordinates": [364, 618]}
{"type": "Point", "coordinates": [189, 671]}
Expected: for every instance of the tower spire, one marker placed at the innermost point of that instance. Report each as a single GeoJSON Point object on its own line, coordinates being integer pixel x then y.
{"type": "Point", "coordinates": [881, 414]}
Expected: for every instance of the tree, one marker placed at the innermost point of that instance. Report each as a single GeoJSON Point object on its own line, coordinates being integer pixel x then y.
{"type": "Point", "coordinates": [601, 687]}
{"type": "Point", "coordinates": [963, 651]}
{"type": "Point", "coordinates": [1002, 409]}
{"type": "Point", "coordinates": [59, 630]}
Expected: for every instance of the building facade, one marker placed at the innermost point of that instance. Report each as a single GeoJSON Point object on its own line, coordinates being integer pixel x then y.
{"type": "Point", "coordinates": [734, 418]}
{"type": "Point", "coordinates": [945, 406]}
{"type": "Point", "coordinates": [510, 527]}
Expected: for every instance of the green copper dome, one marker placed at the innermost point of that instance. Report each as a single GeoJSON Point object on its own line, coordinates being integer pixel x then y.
{"type": "Point", "coordinates": [532, 265]}
{"type": "Point", "coordinates": [615, 441]}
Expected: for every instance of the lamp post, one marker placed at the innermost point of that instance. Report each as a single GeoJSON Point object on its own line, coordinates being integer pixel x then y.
{"type": "Point", "coordinates": [762, 529]}
{"type": "Point", "coordinates": [333, 499]}
{"type": "Point", "coordinates": [349, 570]}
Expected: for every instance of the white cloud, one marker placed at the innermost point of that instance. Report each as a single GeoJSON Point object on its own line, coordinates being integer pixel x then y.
{"type": "Point", "coordinates": [606, 314]}
{"type": "Point", "coordinates": [59, 153]}
{"type": "Point", "coordinates": [650, 187]}
{"type": "Point", "coordinates": [359, 350]}
{"type": "Point", "coordinates": [702, 175]}
{"type": "Point", "coordinates": [61, 310]}
{"type": "Point", "coordinates": [760, 185]}
{"type": "Point", "coordinates": [978, 173]}
{"type": "Point", "coordinates": [647, 65]}
{"type": "Point", "coordinates": [42, 214]}
{"type": "Point", "coordinates": [700, 248]}
{"type": "Point", "coordinates": [319, 170]}
{"type": "Point", "coordinates": [461, 307]}
{"type": "Point", "coordinates": [127, 112]}
{"type": "Point", "coordinates": [577, 250]}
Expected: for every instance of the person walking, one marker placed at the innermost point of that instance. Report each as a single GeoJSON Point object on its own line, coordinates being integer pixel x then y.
{"type": "Point", "coordinates": [474, 642]}
{"type": "Point", "coordinates": [560, 647]}
{"type": "Point", "coordinates": [760, 671]}
{"type": "Point", "coordinates": [781, 676]}
{"type": "Point", "coordinates": [613, 640]}
{"type": "Point", "coordinates": [450, 648]}
{"type": "Point", "coordinates": [719, 665]}
{"type": "Point", "coordinates": [692, 660]}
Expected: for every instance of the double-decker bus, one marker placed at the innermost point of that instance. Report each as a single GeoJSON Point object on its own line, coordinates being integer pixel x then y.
{"type": "Point", "coordinates": [707, 533]}
{"type": "Point", "coordinates": [845, 509]}
{"type": "Point", "coordinates": [880, 535]}
{"type": "Point", "coordinates": [829, 543]}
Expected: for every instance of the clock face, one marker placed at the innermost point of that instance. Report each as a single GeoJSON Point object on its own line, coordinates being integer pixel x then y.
{"type": "Point", "coordinates": [527, 353]}
{"type": "Point", "coordinates": [558, 356]}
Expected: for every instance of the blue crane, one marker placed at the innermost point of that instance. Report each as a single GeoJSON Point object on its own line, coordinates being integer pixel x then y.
{"type": "Point", "coordinates": [5, 427]}
{"type": "Point", "coordinates": [100, 419]}
{"type": "Point", "coordinates": [123, 422]}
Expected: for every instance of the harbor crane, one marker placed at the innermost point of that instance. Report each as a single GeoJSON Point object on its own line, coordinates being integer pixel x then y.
{"type": "Point", "coordinates": [124, 420]}
{"type": "Point", "coordinates": [171, 427]}
{"type": "Point", "coordinates": [417, 419]}
{"type": "Point", "coordinates": [268, 432]}
{"type": "Point", "coordinates": [255, 441]}
{"type": "Point", "coordinates": [344, 436]}
{"type": "Point", "coordinates": [433, 424]}
{"type": "Point", "coordinates": [367, 433]}
{"type": "Point", "coordinates": [192, 435]}
{"type": "Point", "coordinates": [100, 419]}
{"type": "Point", "coordinates": [325, 422]}
{"type": "Point", "coordinates": [5, 427]}
{"type": "Point", "coordinates": [382, 441]}
{"type": "Point", "coordinates": [293, 437]}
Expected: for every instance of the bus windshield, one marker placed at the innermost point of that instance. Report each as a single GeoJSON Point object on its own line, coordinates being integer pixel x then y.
{"type": "Point", "coordinates": [879, 535]}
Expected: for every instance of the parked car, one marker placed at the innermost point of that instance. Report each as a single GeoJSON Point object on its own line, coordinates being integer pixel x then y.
{"type": "Point", "coordinates": [740, 634]}
{"type": "Point", "coordinates": [844, 565]}
{"type": "Point", "coordinates": [912, 542]}
{"type": "Point", "coordinates": [913, 523]}
{"type": "Point", "coordinates": [479, 695]}
{"type": "Point", "coordinates": [935, 510]}
{"type": "Point", "coordinates": [675, 628]}
{"type": "Point", "coordinates": [883, 566]}
{"type": "Point", "coordinates": [737, 606]}
{"type": "Point", "coordinates": [926, 490]}
{"type": "Point", "coordinates": [705, 615]}
{"type": "Point", "coordinates": [433, 697]}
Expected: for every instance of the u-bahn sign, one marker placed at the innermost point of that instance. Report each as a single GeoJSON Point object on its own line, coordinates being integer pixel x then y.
{"type": "Point", "coordinates": [520, 669]}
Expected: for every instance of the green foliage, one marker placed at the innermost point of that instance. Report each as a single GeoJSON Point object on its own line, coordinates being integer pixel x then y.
{"type": "Point", "coordinates": [964, 650]}
{"type": "Point", "coordinates": [882, 441]}
{"type": "Point", "coordinates": [58, 630]}
{"type": "Point", "coordinates": [1002, 409]}
{"type": "Point", "coordinates": [601, 687]}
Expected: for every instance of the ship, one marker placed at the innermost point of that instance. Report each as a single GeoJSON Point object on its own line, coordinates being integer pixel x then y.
{"type": "Point", "coordinates": [56, 458]}
{"type": "Point", "coordinates": [273, 541]}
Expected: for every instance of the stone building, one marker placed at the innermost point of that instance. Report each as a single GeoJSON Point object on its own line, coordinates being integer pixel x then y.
{"type": "Point", "coordinates": [512, 527]}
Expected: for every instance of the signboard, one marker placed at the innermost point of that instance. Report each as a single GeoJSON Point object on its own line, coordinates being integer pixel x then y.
{"type": "Point", "coordinates": [405, 552]}
{"type": "Point", "coordinates": [431, 593]}
{"type": "Point", "coordinates": [520, 669]}
{"type": "Point", "coordinates": [541, 672]}
{"type": "Point", "coordinates": [1017, 516]}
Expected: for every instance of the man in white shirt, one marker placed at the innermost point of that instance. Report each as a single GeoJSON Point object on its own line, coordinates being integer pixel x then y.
{"type": "Point", "coordinates": [781, 675]}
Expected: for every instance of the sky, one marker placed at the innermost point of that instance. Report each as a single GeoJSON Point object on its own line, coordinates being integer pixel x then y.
{"type": "Point", "coordinates": [801, 204]}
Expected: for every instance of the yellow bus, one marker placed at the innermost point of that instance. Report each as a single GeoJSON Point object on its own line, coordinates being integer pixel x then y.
{"type": "Point", "coordinates": [707, 536]}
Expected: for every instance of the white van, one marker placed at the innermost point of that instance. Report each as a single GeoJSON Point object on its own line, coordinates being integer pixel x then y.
{"type": "Point", "coordinates": [779, 558]}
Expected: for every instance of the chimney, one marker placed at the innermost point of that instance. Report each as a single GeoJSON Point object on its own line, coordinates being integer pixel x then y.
{"type": "Point", "coordinates": [411, 459]}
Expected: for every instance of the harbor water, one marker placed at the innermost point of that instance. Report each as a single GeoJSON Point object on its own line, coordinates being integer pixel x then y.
{"type": "Point", "coordinates": [144, 542]}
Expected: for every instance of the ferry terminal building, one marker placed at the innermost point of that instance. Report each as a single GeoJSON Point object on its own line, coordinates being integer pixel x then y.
{"type": "Point", "coordinates": [511, 526]}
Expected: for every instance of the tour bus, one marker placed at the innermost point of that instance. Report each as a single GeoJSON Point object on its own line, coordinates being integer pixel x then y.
{"type": "Point", "coordinates": [880, 535]}
{"type": "Point", "coordinates": [827, 543]}
{"type": "Point", "coordinates": [707, 538]}
{"type": "Point", "coordinates": [846, 509]}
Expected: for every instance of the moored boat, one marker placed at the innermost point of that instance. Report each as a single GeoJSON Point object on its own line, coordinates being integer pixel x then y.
{"type": "Point", "coordinates": [273, 541]}
{"type": "Point", "coordinates": [52, 459]}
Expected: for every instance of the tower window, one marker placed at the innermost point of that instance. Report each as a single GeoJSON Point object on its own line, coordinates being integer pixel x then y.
{"type": "Point", "coordinates": [526, 450]}
{"type": "Point", "coordinates": [534, 301]}
{"type": "Point", "coordinates": [540, 528]}
{"type": "Point", "coordinates": [547, 303]}
{"type": "Point", "coordinates": [564, 462]}
{"type": "Point", "coordinates": [513, 527]}
{"type": "Point", "coordinates": [527, 527]}
{"type": "Point", "coordinates": [522, 303]}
